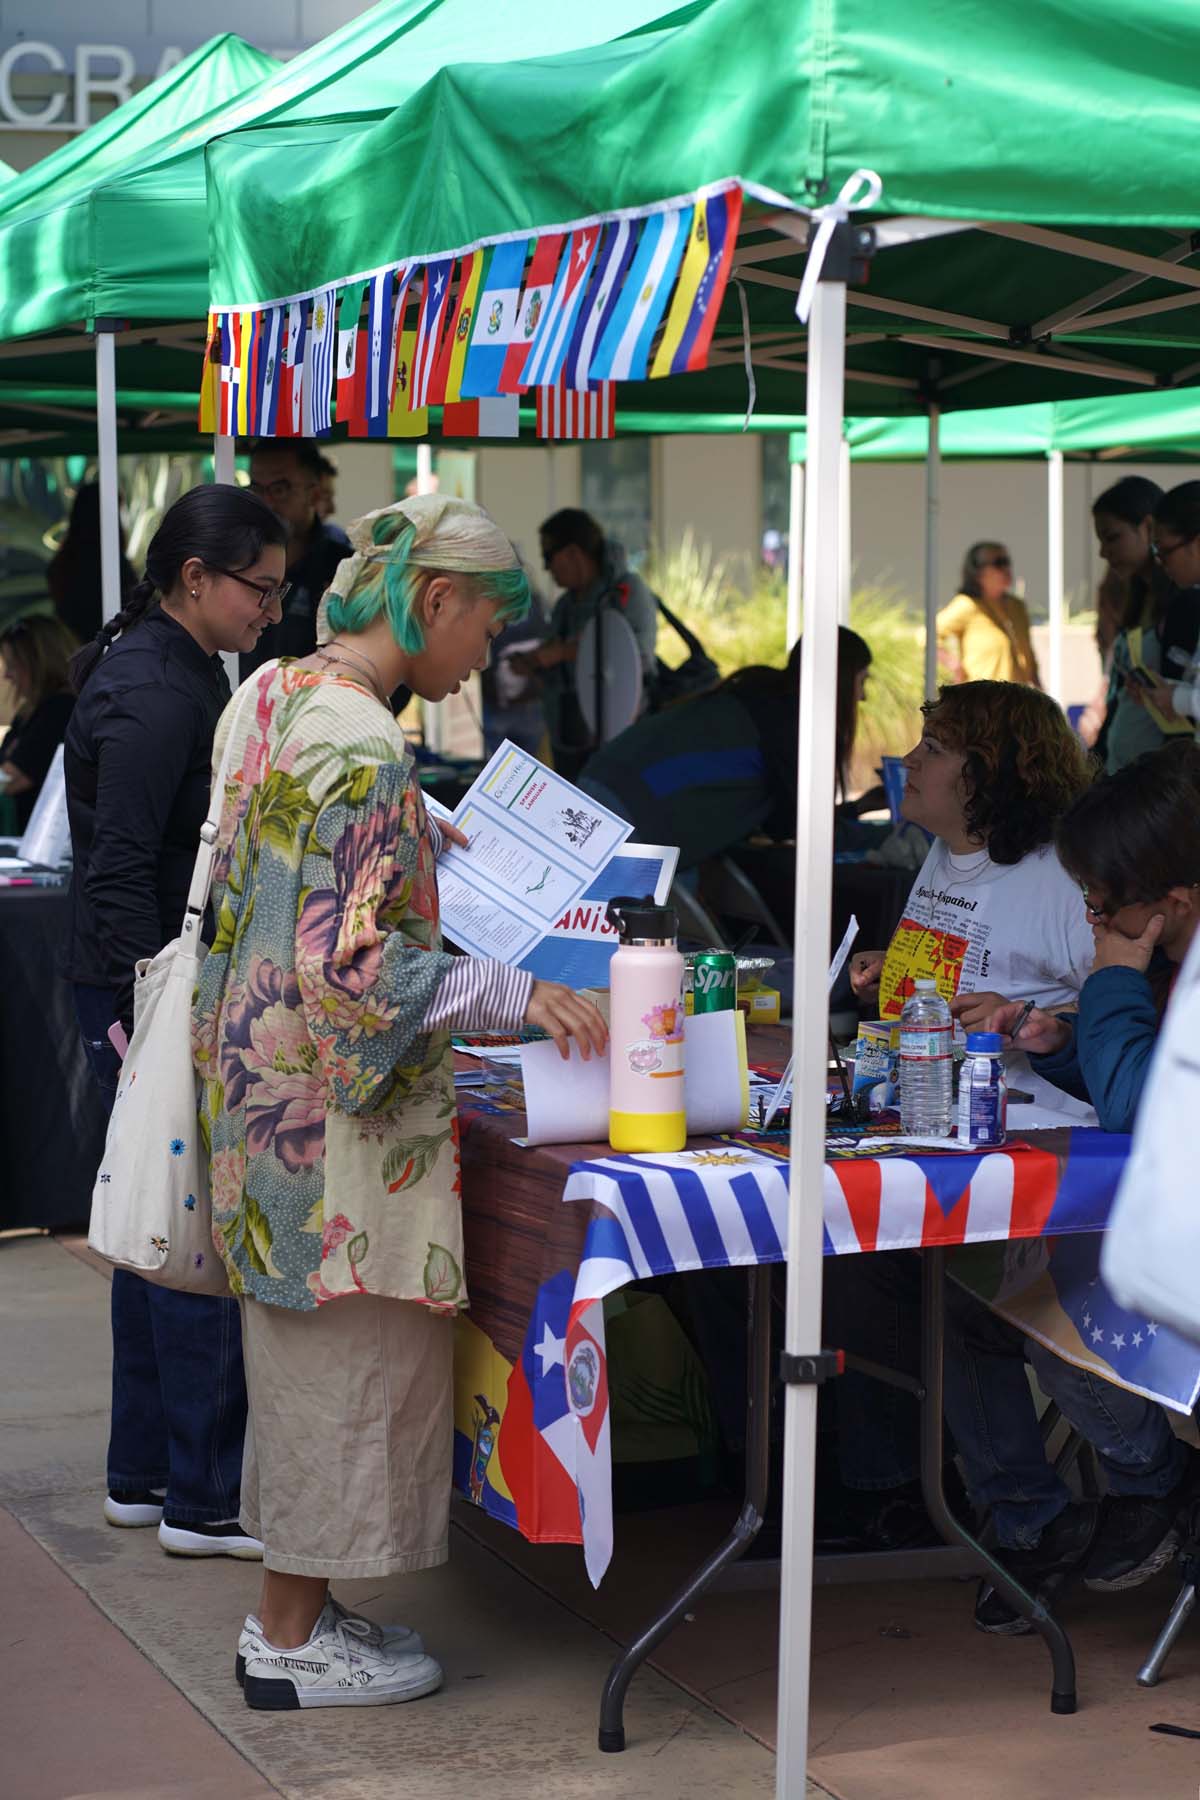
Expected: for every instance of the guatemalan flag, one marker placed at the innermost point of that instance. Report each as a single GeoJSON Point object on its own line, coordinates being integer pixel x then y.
{"type": "Point", "coordinates": [623, 353]}
{"type": "Point", "coordinates": [552, 340]}
{"type": "Point", "coordinates": [495, 322]}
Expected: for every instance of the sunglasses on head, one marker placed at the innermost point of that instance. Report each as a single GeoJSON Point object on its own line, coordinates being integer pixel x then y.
{"type": "Point", "coordinates": [996, 562]}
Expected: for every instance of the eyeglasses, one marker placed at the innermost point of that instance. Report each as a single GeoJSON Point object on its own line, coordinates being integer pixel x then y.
{"type": "Point", "coordinates": [273, 490]}
{"type": "Point", "coordinates": [1160, 551]}
{"type": "Point", "coordinates": [997, 562]}
{"type": "Point", "coordinates": [266, 596]}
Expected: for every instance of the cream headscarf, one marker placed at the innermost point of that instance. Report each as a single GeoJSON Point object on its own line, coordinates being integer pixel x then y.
{"type": "Point", "coordinates": [449, 534]}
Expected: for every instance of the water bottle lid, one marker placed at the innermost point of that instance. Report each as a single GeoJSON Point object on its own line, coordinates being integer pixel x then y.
{"type": "Point", "coordinates": [925, 984]}
{"type": "Point", "coordinates": [984, 1043]}
{"type": "Point", "coordinates": [641, 919]}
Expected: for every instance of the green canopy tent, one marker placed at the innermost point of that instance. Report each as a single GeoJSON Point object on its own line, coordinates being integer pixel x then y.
{"type": "Point", "coordinates": [1029, 239]}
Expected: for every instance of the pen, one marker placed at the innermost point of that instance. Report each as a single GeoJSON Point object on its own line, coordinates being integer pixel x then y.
{"type": "Point", "coordinates": [1019, 1023]}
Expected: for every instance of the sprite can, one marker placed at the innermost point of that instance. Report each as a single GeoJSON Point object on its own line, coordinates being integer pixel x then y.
{"type": "Point", "coordinates": [714, 982]}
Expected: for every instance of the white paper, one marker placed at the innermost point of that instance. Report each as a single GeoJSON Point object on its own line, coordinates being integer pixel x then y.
{"type": "Point", "coordinates": [715, 1082]}
{"type": "Point", "coordinates": [536, 844]}
{"type": "Point", "coordinates": [843, 951]}
{"type": "Point", "coordinates": [565, 1102]}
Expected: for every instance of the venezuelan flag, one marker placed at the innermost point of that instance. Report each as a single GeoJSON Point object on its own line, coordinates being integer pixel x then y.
{"type": "Point", "coordinates": [701, 285]}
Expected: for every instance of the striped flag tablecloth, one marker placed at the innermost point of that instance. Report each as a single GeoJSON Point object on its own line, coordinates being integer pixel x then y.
{"type": "Point", "coordinates": [726, 1206]}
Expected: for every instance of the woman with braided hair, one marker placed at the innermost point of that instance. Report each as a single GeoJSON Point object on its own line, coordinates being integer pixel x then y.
{"type": "Point", "coordinates": [151, 688]}
{"type": "Point", "coordinates": [322, 1028]}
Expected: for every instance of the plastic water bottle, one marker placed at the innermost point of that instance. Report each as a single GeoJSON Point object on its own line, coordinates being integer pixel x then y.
{"type": "Point", "coordinates": [926, 1063]}
{"type": "Point", "coordinates": [983, 1091]}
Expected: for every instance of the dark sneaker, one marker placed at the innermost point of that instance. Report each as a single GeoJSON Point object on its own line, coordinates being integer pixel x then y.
{"type": "Point", "coordinates": [1063, 1546]}
{"type": "Point", "coordinates": [1137, 1537]}
{"type": "Point", "coordinates": [133, 1509]}
{"type": "Point", "coordinates": [183, 1537]}
{"type": "Point", "coordinates": [994, 1614]}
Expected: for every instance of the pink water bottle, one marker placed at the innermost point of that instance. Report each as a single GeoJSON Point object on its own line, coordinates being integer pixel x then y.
{"type": "Point", "coordinates": [646, 1105]}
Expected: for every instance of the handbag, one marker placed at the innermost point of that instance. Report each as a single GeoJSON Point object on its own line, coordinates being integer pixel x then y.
{"type": "Point", "coordinates": [1150, 1257]}
{"type": "Point", "coordinates": [151, 1208]}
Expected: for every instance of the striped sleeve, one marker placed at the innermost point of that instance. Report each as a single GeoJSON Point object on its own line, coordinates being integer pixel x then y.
{"type": "Point", "coordinates": [478, 994]}
{"type": "Point", "coordinates": [436, 838]}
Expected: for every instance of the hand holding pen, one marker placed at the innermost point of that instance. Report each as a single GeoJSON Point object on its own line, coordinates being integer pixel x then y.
{"type": "Point", "coordinates": [1028, 1027]}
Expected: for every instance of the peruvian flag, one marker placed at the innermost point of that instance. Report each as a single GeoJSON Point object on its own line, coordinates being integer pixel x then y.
{"type": "Point", "coordinates": [494, 416]}
{"type": "Point", "coordinates": [563, 412]}
{"type": "Point", "coordinates": [534, 299]}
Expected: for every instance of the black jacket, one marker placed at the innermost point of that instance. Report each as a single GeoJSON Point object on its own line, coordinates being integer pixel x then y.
{"type": "Point", "coordinates": [137, 752]}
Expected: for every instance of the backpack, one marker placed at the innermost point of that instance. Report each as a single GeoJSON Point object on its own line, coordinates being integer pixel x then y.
{"type": "Point", "coordinates": [695, 675]}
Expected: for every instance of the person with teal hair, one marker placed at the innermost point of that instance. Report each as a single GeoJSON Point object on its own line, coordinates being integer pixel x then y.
{"type": "Point", "coordinates": [322, 1039]}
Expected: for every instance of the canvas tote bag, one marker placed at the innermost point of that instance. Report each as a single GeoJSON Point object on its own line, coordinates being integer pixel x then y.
{"type": "Point", "coordinates": [151, 1211]}
{"type": "Point", "coordinates": [1150, 1257]}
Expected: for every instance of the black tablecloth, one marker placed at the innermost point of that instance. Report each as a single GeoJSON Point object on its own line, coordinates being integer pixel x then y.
{"type": "Point", "coordinates": [51, 1119]}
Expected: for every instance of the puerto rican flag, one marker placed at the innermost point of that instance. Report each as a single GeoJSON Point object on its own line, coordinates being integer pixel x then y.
{"type": "Point", "coordinates": [431, 321]}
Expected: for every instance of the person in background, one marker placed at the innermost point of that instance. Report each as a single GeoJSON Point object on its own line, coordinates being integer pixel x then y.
{"type": "Point", "coordinates": [36, 652]}
{"type": "Point", "coordinates": [327, 488]}
{"type": "Point", "coordinates": [1123, 518]}
{"type": "Point", "coordinates": [593, 575]}
{"type": "Point", "coordinates": [286, 474]}
{"type": "Point", "coordinates": [1132, 843]}
{"type": "Point", "coordinates": [138, 752]}
{"type": "Point", "coordinates": [983, 635]}
{"type": "Point", "coordinates": [712, 770]}
{"type": "Point", "coordinates": [1174, 703]}
{"type": "Point", "coordinates": [1112, 597]}
{"type": "Point", "coordinates": [73, 574]}
{"type": "Point", "coordinates": [322, 1036]}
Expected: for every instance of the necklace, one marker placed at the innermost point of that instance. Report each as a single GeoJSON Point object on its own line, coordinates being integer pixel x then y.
{"type": "Point", "coordinates": [328, 655]}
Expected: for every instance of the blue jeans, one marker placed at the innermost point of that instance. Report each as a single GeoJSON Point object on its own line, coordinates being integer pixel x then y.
{"type": "Point", "coordinates": [873, 1307]}
{"type": "Point", "coordinates": [178, 1389]}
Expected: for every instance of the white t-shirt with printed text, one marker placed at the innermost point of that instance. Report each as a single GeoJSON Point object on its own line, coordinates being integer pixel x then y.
{"type": "Point", "coordinates": [1017, 929]}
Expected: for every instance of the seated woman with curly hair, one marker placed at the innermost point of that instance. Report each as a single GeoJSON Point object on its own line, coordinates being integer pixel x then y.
{"type": "Point", "coordinates": [992, 914]}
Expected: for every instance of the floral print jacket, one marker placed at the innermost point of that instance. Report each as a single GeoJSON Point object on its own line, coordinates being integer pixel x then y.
{"type": "Point", "coordinates": [328, 1110]}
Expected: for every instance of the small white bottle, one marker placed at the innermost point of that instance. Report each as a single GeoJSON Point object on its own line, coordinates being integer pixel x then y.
{"type": "Point", "coordinates": [926, 1063]}
{"type": "Point", "coordinates": [983, 1091]}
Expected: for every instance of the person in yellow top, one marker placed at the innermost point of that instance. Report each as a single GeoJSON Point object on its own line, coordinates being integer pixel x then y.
{"type": "Point", "coordinates": [983, 635]}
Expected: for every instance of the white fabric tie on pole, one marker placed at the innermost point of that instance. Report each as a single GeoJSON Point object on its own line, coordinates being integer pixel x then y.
{"type": "Point", "coordinates": [795, 563]}
{"type": "Point", "coordinates": [933, 475]}
{"type": "Point", "coordinates": [432, 711]}
{"type": "Point", "coordinates": [814, 858]}
{"type": "Point", "coordinates": [1055, 584]}
{"type": "Point", "coordinates": [110, 490]}
{"type": "Point", "coordinates": [827, 219]}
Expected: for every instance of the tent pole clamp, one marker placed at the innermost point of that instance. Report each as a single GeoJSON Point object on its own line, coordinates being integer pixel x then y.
{"type": "Point", "coordinates": [813, 1369]}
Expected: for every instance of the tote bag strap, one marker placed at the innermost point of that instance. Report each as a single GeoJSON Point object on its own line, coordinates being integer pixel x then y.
{"type": "Point", "coordinates": [206, 855]}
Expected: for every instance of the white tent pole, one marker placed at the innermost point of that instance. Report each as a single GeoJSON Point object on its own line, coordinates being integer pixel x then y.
{"type": "Point", "coordinates": [933, 474]}
{"type": "Point", "coordinates": [1055, 585]}
{"type": "Point", "coordinates": [224, 451]}
{"type": "Point", "coordinates": [110, 493]}
{"type": "Point", "coordinates": [814, 862]}
{"type": "Point", "coordinates": [795, 564]}
{"type": "Point", "coordinates": [845, 568]}
{"type": "Point", "coordinates": [424, 468]}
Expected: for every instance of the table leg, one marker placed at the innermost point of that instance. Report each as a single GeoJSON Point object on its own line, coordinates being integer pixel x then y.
{"type": "Point", "coordinates": [933, 1337]}
{"type": "Point", "coordinates": [746, 1526]}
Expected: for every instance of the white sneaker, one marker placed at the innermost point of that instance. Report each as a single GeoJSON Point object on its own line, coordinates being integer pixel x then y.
{"type": "Point", "coordinates": [337, 1667]}
{"type": "Point", "coordinates": [400, 1638]}
{"type": "Point", "coordinates": [187, 1538]}
{"type": "Point", "coordinates": [135, 1509]}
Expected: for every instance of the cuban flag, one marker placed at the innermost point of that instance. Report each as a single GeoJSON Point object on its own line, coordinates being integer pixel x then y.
{"type": "Point", "coordinates": [608, 274]}
{"type": "Point", "coordinates": [623, 353]}
{"type": "Point", "coordinates": [538, 1443]}
{"type": "Point", "coordinates": [549, 347]}
{"type": "Point", "coordinates": [534, 297]}
{"type": "Point", "coordinates": [268, 370]}
{"type": "Point", "coordinates": [495, 322]}
{"type": "Point", "coordinates": [431, 322]}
